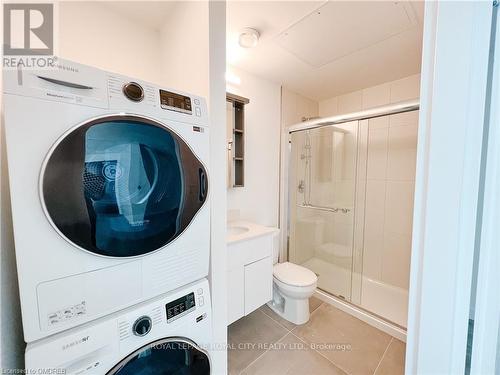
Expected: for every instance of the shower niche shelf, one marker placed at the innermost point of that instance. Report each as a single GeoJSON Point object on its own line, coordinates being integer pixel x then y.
{"type": "Point", "coordinates": [236, 141]}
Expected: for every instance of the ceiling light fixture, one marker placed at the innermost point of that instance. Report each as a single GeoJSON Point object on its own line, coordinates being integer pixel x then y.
{"type": "Point", "coordinates": [248, 38]}
{"type": "Point", "coordinates": [232, 78]}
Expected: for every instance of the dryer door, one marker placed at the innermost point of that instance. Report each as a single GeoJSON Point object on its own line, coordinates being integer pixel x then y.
{"type": "Point", "coordinates": [122, 186]}
{"type": "Point", "coordinates": [164, 357]}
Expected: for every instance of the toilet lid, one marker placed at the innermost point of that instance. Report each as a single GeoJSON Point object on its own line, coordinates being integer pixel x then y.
{"type": "Point", "coordinates": [293, 274]}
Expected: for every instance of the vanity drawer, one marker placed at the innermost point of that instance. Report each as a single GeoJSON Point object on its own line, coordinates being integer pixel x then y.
{"type": "Point", "coordinates": [251, 250]}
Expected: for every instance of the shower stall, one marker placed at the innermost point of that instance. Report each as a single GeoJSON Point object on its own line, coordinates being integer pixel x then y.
{"type": "Point", "coordinates": [350, 205]}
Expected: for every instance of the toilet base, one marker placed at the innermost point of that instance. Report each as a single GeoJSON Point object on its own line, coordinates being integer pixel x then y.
{"type": "Point", "coordinates": [295, 310]}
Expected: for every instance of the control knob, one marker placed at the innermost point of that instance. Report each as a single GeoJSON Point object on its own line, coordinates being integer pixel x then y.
{"type": "Point", "coordinates": [133, 91]}
{"type": "Point", "coordinates": [142, 326]}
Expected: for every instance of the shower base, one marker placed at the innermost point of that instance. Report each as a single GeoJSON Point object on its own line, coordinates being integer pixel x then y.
{"type": "Point", "coordinates": [385, 300]}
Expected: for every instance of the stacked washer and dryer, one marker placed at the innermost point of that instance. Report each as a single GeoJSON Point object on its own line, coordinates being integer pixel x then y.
{"type": "Point", "coordinates": [109, 189]}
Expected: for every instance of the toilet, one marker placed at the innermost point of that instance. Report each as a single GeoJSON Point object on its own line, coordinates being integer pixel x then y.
{"type": "Point", "coordinates": [293, 285]}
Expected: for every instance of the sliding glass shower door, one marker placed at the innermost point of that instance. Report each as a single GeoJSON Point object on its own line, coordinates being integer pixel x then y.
{"type": "Point", "coordinates": [351, 207]}
{"type": "Point", "coordinates": [322, 196]}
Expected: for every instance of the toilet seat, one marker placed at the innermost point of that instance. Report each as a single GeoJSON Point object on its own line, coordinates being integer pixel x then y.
{"type": "Point", "coordinates": [293, 274]}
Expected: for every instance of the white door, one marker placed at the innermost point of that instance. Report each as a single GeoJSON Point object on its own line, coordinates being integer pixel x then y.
{"type": "Point", "coordinates": [484, 335]}
{"type": "Point", "coordinates": [448, 214]}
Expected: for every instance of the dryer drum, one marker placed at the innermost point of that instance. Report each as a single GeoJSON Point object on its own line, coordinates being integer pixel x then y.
{"type": "Point", "coordinates": [122, 186]}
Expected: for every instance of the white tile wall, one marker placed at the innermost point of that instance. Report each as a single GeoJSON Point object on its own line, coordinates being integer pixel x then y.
{"type": "Point", "coordinates": [377, 153]}
{"type": "Point", "coordinates": [295, 106]}
{"type": "Point", "coordinates": [379, 122]}
{"type": "Point", "coordinates": [329, 107]}
{"type": "Point", "coordinates": [399, 207]}
{"type": "Point", "coordinates": [391, 157]}
{"type": "Point", "coordinates": [374, 229]}
{"type": "Point", "coordinates": [351, 102]}
{"type": "Point", "coordinates": [396, 259]}
{"type": "Point", "coordinates": [377, 95]}
{"type": "Point", "coordinates": [402, 152]}
{"type": "Point", "coordinates": [405, 89]}
{"type": "Point", "coordinates": [390, 92]}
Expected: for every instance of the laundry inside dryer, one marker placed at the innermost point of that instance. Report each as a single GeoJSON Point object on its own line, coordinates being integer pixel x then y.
{"type": "Point", "coordinates": [125, 183]}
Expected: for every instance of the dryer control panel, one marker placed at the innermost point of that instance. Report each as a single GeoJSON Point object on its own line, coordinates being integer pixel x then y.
{"type": "Point", "coordinates": [175, 102]}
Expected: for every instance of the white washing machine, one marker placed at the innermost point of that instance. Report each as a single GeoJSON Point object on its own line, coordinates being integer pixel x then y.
{"type": "Point", "coordinates": [170, 335]}
{"type": "Point", "coordinates": [109, 190]}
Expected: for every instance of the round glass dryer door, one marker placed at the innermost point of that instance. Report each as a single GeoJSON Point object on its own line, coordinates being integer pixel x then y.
{"type": "Point", "coordinates": [122, 186]}
{"type": "Point", "coordinates": [165, 357]}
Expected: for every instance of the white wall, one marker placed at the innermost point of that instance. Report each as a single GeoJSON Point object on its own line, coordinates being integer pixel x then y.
{"type": "Point", "coordinates": [92, 34]}
{"type": "Point", "coordinates": [185, 53]}
{"type": "Point", "coordinates": [217, 100]}
{"type": "Point", "coordinates": [258, 200]}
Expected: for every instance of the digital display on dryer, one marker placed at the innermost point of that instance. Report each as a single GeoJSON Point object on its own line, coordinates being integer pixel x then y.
{"type": "Point", "coordinates": [175, 102]}
{"type": "Point", "coordinates": [180, 307]}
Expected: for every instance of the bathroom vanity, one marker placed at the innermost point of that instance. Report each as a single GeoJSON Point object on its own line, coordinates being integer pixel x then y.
{"type": "Point", "coordinates": [249, 266]}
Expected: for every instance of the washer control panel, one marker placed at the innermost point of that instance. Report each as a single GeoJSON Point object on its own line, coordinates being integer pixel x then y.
{"type": "Point", "coordinates": [97, 347]}
{"type": "Point", "coordinates": [180, 307]}
{"type": "Point", "coordinates": [142, 326]}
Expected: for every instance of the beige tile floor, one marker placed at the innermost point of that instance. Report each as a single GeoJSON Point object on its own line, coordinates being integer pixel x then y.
{"type": "Point", "coordinates": [332, 342]}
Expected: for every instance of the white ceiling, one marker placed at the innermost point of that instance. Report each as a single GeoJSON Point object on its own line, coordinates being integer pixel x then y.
{"type": "Point", "coordinates": [322, 49]}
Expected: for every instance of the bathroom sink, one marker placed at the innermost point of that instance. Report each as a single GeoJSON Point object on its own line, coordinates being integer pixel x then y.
{"type": "Point", "coordinates": [236, 230]}
{"type": "Point", "coordinates": [244, 230]}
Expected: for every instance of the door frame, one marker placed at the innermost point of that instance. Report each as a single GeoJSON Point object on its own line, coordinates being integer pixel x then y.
{"type": "Point", "coordinates": [486, 343]}
{"type": "Point", "coordinates": [456, 45]}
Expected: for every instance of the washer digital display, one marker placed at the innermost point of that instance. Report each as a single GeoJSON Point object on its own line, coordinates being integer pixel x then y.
{"type": "Point", "coordinates": [180, 307]}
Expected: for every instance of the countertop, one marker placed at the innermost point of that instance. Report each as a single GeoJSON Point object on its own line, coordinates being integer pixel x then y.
{"type": "Point", "coordinates": [254, 230]}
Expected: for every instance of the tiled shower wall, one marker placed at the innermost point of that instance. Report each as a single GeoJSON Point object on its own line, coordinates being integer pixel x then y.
{"type": "Point", "coordinates": [390, 92]}
{"type": "Point", "coordinates": [390, 184]}
{"type": "Point", "coordinates": [390, 177]}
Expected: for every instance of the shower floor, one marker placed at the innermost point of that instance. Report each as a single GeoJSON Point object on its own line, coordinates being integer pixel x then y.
{"type": "Point", "coordinates": [384, 300]}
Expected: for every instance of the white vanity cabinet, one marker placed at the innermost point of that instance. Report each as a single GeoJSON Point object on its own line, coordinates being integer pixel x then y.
{"type": "Point", "coordinates": [258, 283]}
{"type": "Point", "coordinates": [250, 267]}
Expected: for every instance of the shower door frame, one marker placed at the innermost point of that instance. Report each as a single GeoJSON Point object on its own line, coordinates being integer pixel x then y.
{"type": "Point", "coordinates": [285, 204]}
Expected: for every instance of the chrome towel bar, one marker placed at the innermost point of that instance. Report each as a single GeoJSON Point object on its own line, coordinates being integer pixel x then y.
{"type": "Point", "coordinates": [323, 208]}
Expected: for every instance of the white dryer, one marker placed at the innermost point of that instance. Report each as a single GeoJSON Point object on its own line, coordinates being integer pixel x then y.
{"type": "Point", "coordinates": [170, 335]}
{"type": "Point", "coordinates": [109, 190]}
